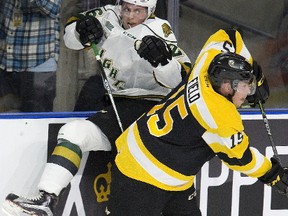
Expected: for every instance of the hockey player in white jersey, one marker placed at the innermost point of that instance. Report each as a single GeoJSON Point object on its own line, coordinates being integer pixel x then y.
{"type": "Point", "coordinates": [128, 73]}
{"type": "Point", "coordinates": [140, 73]}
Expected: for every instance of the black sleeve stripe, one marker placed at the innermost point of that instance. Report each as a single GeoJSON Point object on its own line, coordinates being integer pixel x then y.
{"type": "Point", "coordinates": [186, 68]}
{"type": "Point", "coordinates": [247, 158]}
{"type": "Point", "coordinates": [232, 36]}
{"type": "Point", "coordinates": [61, 161]}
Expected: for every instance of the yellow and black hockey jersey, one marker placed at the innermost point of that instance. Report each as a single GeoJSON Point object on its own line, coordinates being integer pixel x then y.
{"type": "Point", "coordinates": [168, 145]}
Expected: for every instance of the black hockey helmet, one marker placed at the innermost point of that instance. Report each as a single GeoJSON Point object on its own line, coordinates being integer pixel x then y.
{"type": "Point", "coordinates": [231, 67]}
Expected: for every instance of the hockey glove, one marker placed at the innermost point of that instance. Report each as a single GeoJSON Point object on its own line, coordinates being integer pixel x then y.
{"type": "Point", "coordinates": [90, 30]}
{"type": "Point", "coordinates": [277, 177]}
{"type": "Point", "coordinates": [154, 50]}
{"type": "Point", "coordinates": [262, 89]}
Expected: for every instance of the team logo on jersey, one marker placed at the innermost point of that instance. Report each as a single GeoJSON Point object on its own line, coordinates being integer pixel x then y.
{"type": "Point", "coordinates": [103, 190]}
{"type": "Point", "coordinates": [166, 29]}
{"type": "Point", "coordinates": [109, 25]}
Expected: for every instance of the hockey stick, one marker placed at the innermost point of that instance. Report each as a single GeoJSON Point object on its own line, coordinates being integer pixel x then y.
{"type": "Point", "coordinates": [266, 122]}
{"type": "Point", "coordinates": [106, 84]}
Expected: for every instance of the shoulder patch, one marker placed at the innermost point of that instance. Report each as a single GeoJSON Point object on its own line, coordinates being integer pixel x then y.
{"type": "Point", "coordinates": [166, 29]}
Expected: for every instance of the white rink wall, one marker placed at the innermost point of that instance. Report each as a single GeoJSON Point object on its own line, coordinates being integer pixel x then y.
{"type": "Point", "coordinates": [24, 146]}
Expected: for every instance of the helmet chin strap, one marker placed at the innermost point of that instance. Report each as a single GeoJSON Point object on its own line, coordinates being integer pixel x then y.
{"type": "Point", "coordinates": [230, 96]}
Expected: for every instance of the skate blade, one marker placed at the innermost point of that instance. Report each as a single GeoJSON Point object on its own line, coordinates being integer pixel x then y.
{"type": "Point", "coordinates": [10, 209]}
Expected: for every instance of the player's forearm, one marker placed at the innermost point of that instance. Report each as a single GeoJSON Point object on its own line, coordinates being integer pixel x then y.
{"type": "Point", "coordinates": [169, 75]}
{"type": "Point", "coordinates": [70, 37]}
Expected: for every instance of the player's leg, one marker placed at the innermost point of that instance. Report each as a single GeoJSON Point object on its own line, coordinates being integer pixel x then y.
{"type": "Point", "coordinates": [74, 138]}
{"type": "Point", "coordinates": [92, 95]}
{"type": "Point", "coordinates": [131, 197]}
{"type": "Point", "coordinates": [182, 203]}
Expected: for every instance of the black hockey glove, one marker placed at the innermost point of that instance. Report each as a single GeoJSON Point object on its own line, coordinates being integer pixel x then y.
{"type": "Point", "coordinates": [154, 50]}
{"type": "Point", "coordinates": [90, 30]}
{"type": "Point", "coordinates": [277, 177]}
{"type": "Point", "coordinates": [262, 89]}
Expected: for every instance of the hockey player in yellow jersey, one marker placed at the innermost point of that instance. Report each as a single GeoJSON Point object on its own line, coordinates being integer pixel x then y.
{"type": "Point", "coordinates": [160, 154]}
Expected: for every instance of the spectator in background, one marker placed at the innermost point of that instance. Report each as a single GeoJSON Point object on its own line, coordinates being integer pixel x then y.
{"type": "Point", "coordinates": [29, 49]}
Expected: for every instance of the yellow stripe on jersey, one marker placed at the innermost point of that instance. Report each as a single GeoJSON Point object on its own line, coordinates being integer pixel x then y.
{"type": "Point", "coordinates": [68, 154]}
{"type": "Point", "coordinates": [136, 162]}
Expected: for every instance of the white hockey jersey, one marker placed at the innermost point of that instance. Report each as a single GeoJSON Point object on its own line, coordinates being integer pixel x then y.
{"type": "Point", "coordinates": [130, 75]}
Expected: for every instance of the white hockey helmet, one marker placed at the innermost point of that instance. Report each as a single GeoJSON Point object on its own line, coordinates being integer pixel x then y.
{"type": "Point", "coordinates": [150, 4]}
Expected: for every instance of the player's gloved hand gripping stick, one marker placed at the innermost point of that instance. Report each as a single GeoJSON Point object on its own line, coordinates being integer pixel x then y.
{"type": "Point", "coordinates": [106, 84]}
{"type": "Point", "coordinates": [277, 177]}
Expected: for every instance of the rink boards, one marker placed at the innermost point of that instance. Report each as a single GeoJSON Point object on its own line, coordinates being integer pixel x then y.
{"type": "Point", "coordinates": [27, 140]}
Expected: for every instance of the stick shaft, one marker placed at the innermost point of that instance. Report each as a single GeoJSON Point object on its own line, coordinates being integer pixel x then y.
{"type": "Point", "coordinates": [267, 126]}
{"type": "Point", "coordinates": [107, 85]}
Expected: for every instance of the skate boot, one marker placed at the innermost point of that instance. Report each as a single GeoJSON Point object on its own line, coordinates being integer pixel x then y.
{"type": "Point", "coordinates": [42, 205]}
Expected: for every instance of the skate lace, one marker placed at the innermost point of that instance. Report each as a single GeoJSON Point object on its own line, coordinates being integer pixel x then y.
{"type": "Point", "coordinates": [36, 198]}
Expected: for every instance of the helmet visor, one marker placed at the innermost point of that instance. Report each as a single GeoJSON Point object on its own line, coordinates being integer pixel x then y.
{"type": "Point", "coordinates": [245, 86]}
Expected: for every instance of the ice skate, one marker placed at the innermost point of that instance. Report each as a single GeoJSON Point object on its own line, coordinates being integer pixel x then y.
{"type": "Point", "coordinates": [41, 205]}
